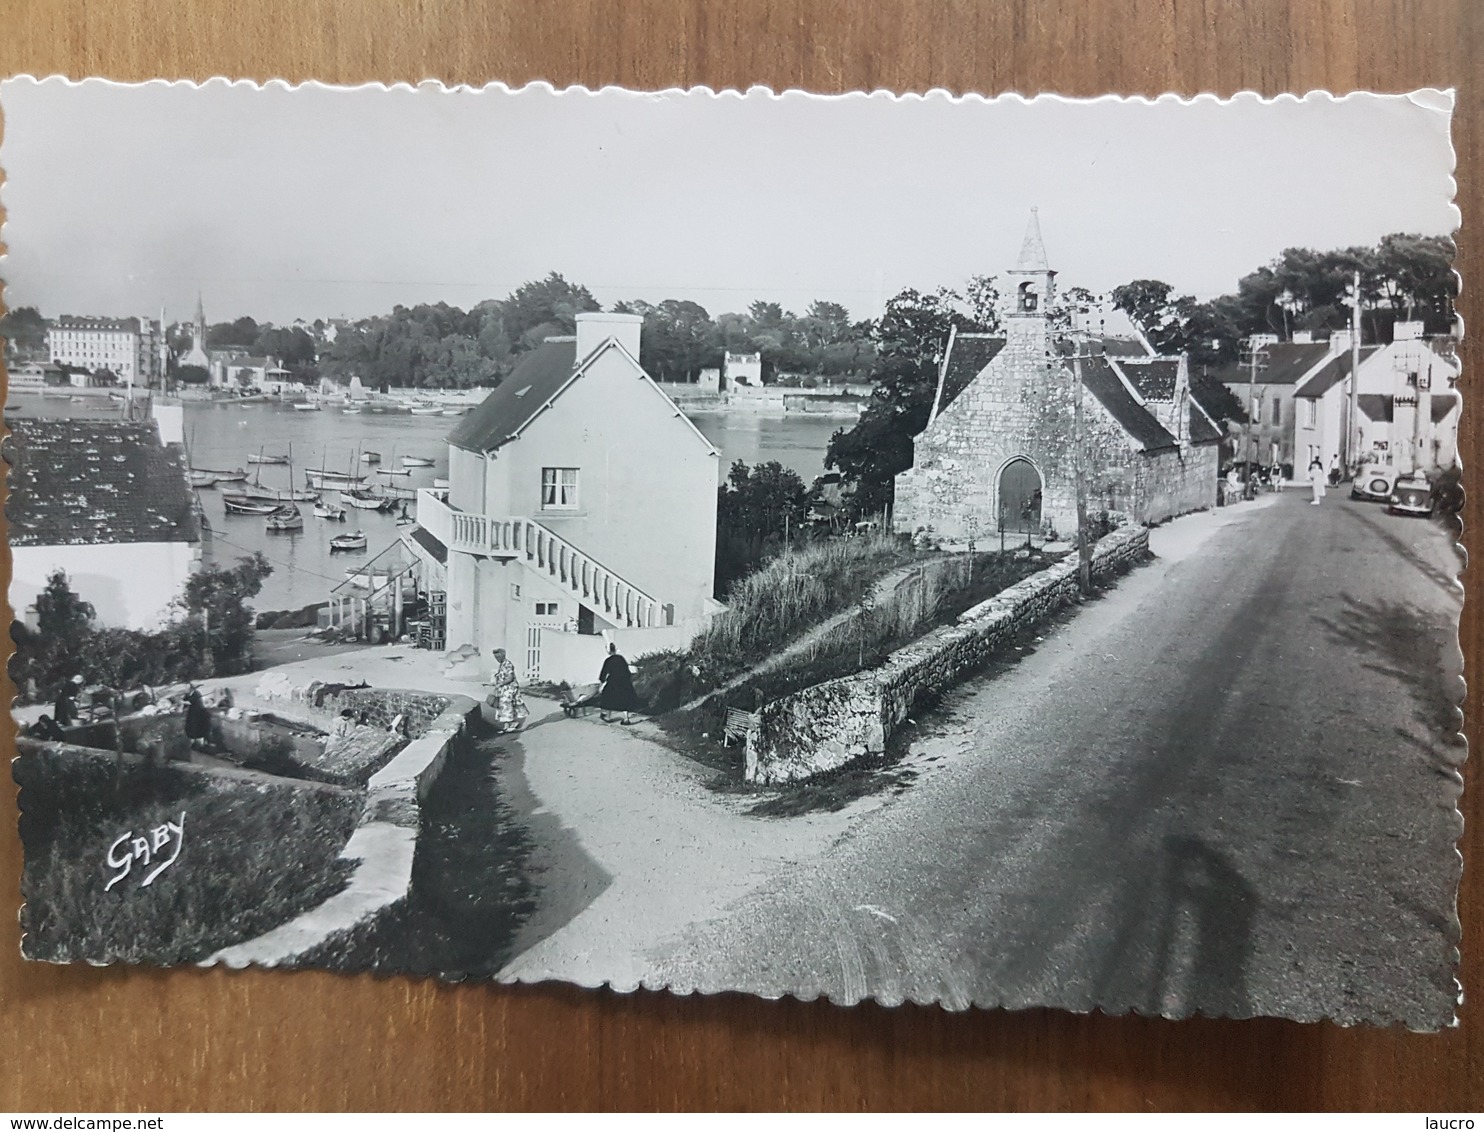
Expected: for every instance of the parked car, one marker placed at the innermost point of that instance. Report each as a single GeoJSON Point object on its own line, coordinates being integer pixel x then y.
{"type": "Point", "coordinates": [1411, 496]}
{"type": "Point", "coordinates": [1374, 482]}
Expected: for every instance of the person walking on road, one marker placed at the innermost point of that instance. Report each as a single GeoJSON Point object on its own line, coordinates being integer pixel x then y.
{"type": "Point", "coordinates": [1317, 477]}
{"type": "Point", "coordinates": [505, 697]}
{"type": "Point", "coordinates": [197, 721]}
{"type": "Point", "coordinates": [618, 693]}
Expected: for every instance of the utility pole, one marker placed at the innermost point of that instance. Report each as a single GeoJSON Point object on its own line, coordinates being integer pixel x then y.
{"type": "Point", "coordinates": [1352, 433]}
{"type": "Point", "coordinates": [1256, 360]}
{"type": "Point", "coordinates": [1079, 471]}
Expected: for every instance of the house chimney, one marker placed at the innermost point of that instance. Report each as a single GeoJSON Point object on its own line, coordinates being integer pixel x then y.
{"type": "Point", "coordinates": [596, 327]}
{"type": "Point", "coordinates": [1339, 341]}
{"type": "Point", "coordinates": [1303, 337]}
{"type": "Point", "coordinates": [1406, 331]}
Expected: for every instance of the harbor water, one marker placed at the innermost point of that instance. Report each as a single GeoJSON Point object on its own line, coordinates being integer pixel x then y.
{"type": "Point", "coordinates": [223, 434]}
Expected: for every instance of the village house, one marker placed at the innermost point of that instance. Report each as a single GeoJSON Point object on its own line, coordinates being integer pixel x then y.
{"type": "Point", "coordinates": [1407, 398]}
{"type": "Point", "coordinates": [999, 456]}
{"type": "Point", "coordinates": [128, 348]}
{"type": "Point", "coordinates": [108, 503]}
{"type": "Point", "coordinates": [581, 509]}
{"type": "Point", "coordinates": [1267, 436]}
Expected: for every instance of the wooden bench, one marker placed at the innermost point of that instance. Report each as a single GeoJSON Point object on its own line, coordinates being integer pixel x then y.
{"type": "Point", "coordinates": [740, 724]}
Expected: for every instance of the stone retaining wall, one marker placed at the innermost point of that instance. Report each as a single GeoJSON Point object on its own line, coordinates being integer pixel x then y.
{"type": "Point", "coordinates": [832, 724]}
{"type": "Point", "coordinates": [384, 843]}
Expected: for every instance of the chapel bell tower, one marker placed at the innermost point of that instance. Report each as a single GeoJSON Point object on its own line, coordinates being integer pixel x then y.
{"type": "Point", "coordinates": [1033, 287]}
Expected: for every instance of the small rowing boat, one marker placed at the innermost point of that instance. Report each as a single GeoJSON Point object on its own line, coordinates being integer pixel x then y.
{"type": "Point", "coordinates": [202, 479]}
{"type": "Point", "coordinates": [242, 505]}
{"type": "Point", "coordinates": [329, 511]}
{"type": "Point", "coordinates": [354, 541]}
{"type": "Point", "coordinates": [416, 462]}
{"type": "Point", "coordinates": [285, 520]}
{"type": "Point", "coordinates": [425, 411]}
{"type": "Point", "coordinates": [261, 459]}
{"type": "Point", "coordinates": [371, 457]}
{"type": "Point", "coordinates": [231, 475]}
{"type": "Point", "coordinates": [393, 471]}
{"type": "Point", "coordinates": [306, 406]}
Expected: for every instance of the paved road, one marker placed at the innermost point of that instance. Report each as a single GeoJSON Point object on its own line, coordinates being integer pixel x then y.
{"type": "Point", "coordinates": [1227, 787]}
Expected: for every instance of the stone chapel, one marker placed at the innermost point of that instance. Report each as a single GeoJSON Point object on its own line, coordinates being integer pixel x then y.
{"type": "Point", "coordinates": [999, 455]}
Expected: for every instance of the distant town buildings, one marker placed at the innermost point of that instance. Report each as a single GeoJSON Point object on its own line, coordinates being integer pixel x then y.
{"type": "Point", "coordinates": [743, 369]}
{"type": "Point", "coordinates": [108, 503]}
{"type": "Point", "coordinates": [128, 348]}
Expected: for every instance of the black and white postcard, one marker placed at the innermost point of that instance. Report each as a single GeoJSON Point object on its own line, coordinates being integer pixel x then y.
{"type": "Point", "coordinates": [989, 552]}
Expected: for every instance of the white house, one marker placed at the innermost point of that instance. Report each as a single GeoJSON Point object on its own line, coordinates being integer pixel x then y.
{"type": "Point", "coordinates": [1407, 399]}
{"type": "Point", "coordinates": [107, 502]}
{"type": "Point", "coordinates": [581, 508]}
{"type": "Point", "coordinates": [743, 369]}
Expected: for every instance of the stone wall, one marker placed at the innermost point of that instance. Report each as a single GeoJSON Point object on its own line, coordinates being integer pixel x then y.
{"type": "Point", "coordinates": [832, 724]}
{"type": "Point", "coordinates": [384, 843]}
{"type": "Point", "coordinates": [1177, 482]}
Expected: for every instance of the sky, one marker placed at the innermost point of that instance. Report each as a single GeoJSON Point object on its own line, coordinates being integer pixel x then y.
{"type": "Point", "coordinates": [322, 202]}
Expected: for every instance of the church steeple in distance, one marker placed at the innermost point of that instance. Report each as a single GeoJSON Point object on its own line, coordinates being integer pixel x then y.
{"type": "Point", "coordinates": [1033, 278]}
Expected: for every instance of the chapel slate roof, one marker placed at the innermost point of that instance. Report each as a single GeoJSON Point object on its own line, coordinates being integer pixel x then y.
{"type": "Point", "coordinates": [970, 354]}
{"type": "Point", "coordinates": [1121, 348]}
{"type": "Point", "coordinates": [1154, 378]}
{"type": "Point", "coordinates": [1099, 379]}
{"type": "Point", "coordinates": [1286, 363]}
{"type": "Point", "coordinates": [1330, 374]}
{"type": "Point", "coordinates": [536, 379]}
{"type": "Point", "coordinates": [90, 482]}
{"type": "Point", "coordinates": [1202, 431]}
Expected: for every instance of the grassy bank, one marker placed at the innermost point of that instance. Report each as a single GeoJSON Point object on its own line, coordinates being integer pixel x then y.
{"type": "Point", "coordinates": [253, 854]}
{"type": "Point", "coordinates": [865, 642]}
{"type": "Point", "coordinates": [767, 610]}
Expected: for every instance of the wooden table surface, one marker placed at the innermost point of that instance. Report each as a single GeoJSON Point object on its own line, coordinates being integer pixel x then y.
{"type": "Point", "coordinates": [87, 1039]}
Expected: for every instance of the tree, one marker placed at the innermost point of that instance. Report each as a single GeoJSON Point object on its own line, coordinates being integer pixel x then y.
{"type": "Point", "coordinates": [242, 332]}
{"type": "Point", "coordinates": [757, 510]}
{"type": "Point", "coordinates": [910, 340]}
{"type": "Point", "coordinates": [192, 375]}
{"type": "Point", "coordinates": [24, 331]}
{"type": "Point", "coordinates": [216, 601]}
{"type": "Point", "coordinates": [54, 653]}
{"type": "Point", "coordinates": [548, 303]}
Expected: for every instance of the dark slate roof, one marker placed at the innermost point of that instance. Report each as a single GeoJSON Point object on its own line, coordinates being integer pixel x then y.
{"type": "Point", "coordinates": [84, 482]}
{"type": "Point", "coordinates": [1202, 431]}
{"type": "Point", "coordinates": [1380, 407]}
{"type": "Point", "coordinates": [1331, 374]}
{"type": "Point", "coordinates": [1286, 363]}
{"type": "Point", "coordinates": [1124, 348]}
{"type": "Point", "coordinates": [431, 544]}
{"type": "Point", "coordinates": [1099, 379]}
{"type": "Point", "coordinates": [970, 354]}
{"type": "Point", "coordinates": [1154, 378]}
{"type": "Point", "coordinates": [538, 377]}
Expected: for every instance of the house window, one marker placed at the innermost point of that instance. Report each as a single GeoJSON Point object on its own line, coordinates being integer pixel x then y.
{"type": "Point", "coordinates": [559, 489]}
{"type": "Point", "coordinates": [546, 609]}
{"type": "Point", "coordinates": [1277, 412]}
{"type": "Point", "coordinates": [1311, 414]}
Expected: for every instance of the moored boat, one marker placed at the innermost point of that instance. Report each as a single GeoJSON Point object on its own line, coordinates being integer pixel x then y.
{"type": "Point", "coordinates": [261, 459]}
{"type": "Point", "coordinates": [227, 475]}
{"type": "Point", "coordinates": [306, 406]}
{"type": "Point", "coordinates": [393, 471]}
{"type": "Point", "coordinates": [242, 505]}
{"type": "Point", "coordinates": [324, 479]}
{"type": "Point", "coordinates": [285, 519]}
{"type": "Point", "coordinates": [440, 482]}
{"type": "Point", "coordinates": [285, 495]}
{"type": "Point", "coordinates": [416, 462]}
{"type": "Point", "coordinates": [369, 457]}
{"type": "Point", "coordinates": [202, 479]}
{"type": "Point", "coordinates": [329, 511]}
{"type": "Point", "coordinates": [368, 501]}
{"type": "Point", "coordinates": [354, 541]}
{"type": "Point", "coordinates": [425, 411]}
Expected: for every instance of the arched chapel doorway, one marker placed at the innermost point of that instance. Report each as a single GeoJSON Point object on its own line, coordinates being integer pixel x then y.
{"type": "Point", "coordinates": [1020, 496]}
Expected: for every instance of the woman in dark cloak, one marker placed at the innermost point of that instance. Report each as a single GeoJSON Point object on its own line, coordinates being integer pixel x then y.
{"type": "Point", "coordinates": [197, 720]}
{"type": "Point", "coordinates": [618, 687]}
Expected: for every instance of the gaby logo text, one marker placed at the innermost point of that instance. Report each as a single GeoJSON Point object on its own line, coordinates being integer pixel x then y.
{"type": "Point", "coordinates": [155, 851]}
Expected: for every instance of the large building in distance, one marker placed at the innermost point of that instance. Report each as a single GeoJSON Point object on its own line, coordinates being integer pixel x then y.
{"type": "Point", "coordinates": [128, 348]}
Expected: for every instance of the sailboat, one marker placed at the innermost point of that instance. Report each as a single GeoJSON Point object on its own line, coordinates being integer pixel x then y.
{"type": "Point", "coordinates": [287, 518]}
